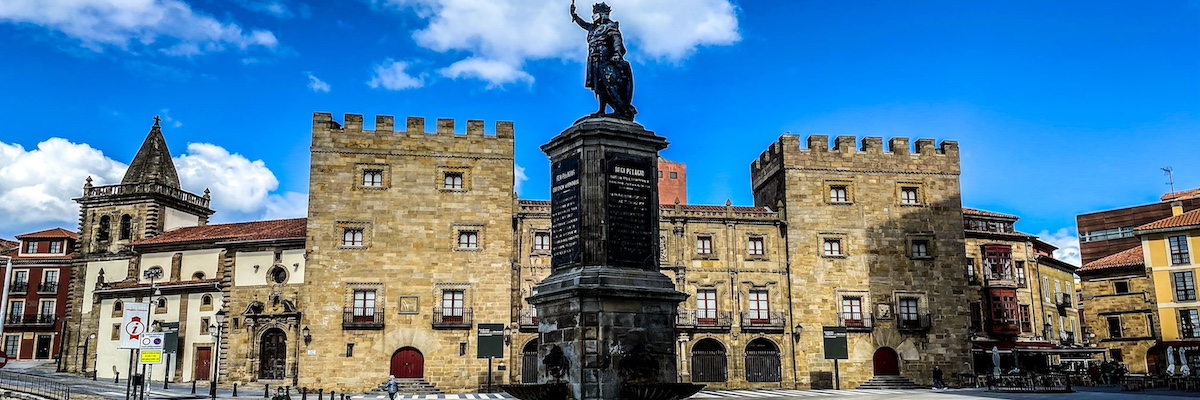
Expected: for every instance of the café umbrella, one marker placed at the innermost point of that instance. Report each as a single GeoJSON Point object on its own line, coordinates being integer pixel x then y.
{"type": "Point", "coordinates": [995, 361]}
{"type": "Point", "coordinates": [1170, 360]}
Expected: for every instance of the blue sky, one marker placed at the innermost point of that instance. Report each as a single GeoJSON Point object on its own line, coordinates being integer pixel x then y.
{"type": "Point", "coordinates": [1060, 108]}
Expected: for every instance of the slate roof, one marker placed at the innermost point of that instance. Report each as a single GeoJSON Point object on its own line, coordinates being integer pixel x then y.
{"type": "Point", "coordinates": [1189, 218]}
{"type": "Point", "coordinates": [152, 162]}
{"type": "Point", "coordinates": [244, 231]}
{"type": "Point", "coordinates": [1127, 258]}
{"type": "Point", "coordinates": [56, 233]}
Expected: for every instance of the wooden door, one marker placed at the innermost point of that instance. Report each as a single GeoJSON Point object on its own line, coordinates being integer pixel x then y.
{"type": "Point", "coordinates": [203, 364]}
{"type": "Point", "coordinates": [408, 363]}
{"type": "Point", "coordinates": [887, 362]}
{"type": "Point", "coordinates": [273, 355]}
{"type": "Point", "coordinates": [43, 347]}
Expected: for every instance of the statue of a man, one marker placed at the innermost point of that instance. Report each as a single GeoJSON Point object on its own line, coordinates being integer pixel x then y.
{"type": "Point", "coordinates": [608, 73]}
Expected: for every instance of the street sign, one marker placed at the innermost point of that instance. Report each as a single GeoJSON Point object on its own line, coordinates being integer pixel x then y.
{"type": "Point", "coordinates": [491, 340]}
{"type": "Point", "coordinates": [134, 325]}
{"type": "Point", "coordinates": [151, 356]}
{"type": "Point", "coordinates": [835, 342]}
{"type": "Point", "coordinates": [153, 341]}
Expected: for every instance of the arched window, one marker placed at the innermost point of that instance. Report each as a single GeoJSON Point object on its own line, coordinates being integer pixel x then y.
{"type": "Point", "coordinates": [198, 276]}
{"type": "Point", "coordinates": [206, 300]}
{"type": "Point", "coordinates": [126, 227]}
{"type": "Point", "coordinates": [104, 228]}
{"type": "Point", "coordinates": [160, 306]}
{"type": "Point", "coordinates": [277, 275]}
{"type": "Point", "coordinates": [118, 308]}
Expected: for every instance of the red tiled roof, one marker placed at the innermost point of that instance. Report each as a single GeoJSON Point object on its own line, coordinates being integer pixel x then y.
{"type": "Point", "coordinates": [1186, 219]}
{"type": "Point", "coordinates": [56, 233]}
{"type": "Point", "coordinates": [258, 230]}
{"type": "Point", "coordinates": [1127, 258]}
{"type": "Point", "coordinates": [1186, 194]}
{"type": "Point", "coordinates": [6, 245]}
{"type": "Point", "coordinates": [972, 211]}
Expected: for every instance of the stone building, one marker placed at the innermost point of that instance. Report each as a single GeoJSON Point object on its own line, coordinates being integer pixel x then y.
{"type": "Point", "coordinates": [1021, 298]}
{"type": "Point", "coordinates": [1120, 308]}
{"type": "Point", "coordinates": [410, 243]}
{"type": "Point", "coordinates": [37, 303]}
{"type": "Point", "coordinates": [874, 243]}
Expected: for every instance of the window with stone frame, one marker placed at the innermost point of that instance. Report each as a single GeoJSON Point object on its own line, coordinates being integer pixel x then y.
{"type": "Point", "coordinates": [352, 237]}
{"type": "Point", "coordinates": [1120, 287]}
{"type": "Point", "coordinates": [909, 312]}
{"type": "Point", "coordinates": [1026, 323]}
{"type": "Point", "coordinates": [114, 335]}
{"type": "Point", "coordinates": [103, 231]}
{"type": "Point", "coordinates": [760, 306]}
{"type": "Point", "coordinates": [852, 311]}
{"type": "Point", "coordinates": [1189, 322]}
{"type": "Point", "coordinates": [704, 245]}
{"type": "Point", "coordinates": [118, 309]}
{"type": "Point", "coordinates": [205, 326]}
{"type": "Point", "coordinates": [1116, 355]}
{"type": "Point", "coordinates": [541, 241]}
{"type": "Point", "coordinates": [754, 246]}
{"type": "Point", "coordinates": [126, 229]}
{"type": "Point", "coordinates": [706, 306]}
{"type": "Point", "coordinates": [839, 194]}
{"type": "Point", "coordinates": [969, 267]}
{"type": "Point", "coordinates": [1020, 273]}
{"type": "Point", "coordinates": [1185, 286]}
{"type": "Point", "coordinates": [1114, 326]}
{"type": "Point", "coordinates": [920, 249]}
{"type": "Point", "coordinates": [362, 306]}
{"type": "Point", "coordinates": [832, 247]}
{"type": "Point", "coordinates": [453, 306]}
{"type": "Point", "coordinates": [372, 178]}
{"type": "Point", "coordinates": [1179, 250]}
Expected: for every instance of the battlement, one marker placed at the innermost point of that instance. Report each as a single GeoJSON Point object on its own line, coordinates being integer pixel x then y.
{"type": "Point", "coordinates": [849, 154]}
{"type": "Point", "coordinates": [413, 127]}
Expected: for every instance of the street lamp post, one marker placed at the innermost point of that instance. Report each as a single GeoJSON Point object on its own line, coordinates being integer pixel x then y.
{"type": "Point", "coordinates": [215, 330]}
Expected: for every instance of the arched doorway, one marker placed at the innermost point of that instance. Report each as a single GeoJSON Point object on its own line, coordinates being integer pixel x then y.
{"type": "Point", "coordinates": [408, 363]}
{"type": "Point", "coordinates": [709, 361]}
{"type": "Point", "coordinates": [529, 362]}
{"type": "Point", "coordinates": [273, 355]}
{"type": "Point", "coordinates": [762, 362]}
{"type": "Point", "coordinates": [887, 362]}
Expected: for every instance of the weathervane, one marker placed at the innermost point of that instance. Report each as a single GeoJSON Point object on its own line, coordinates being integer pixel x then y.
{"type": "Point", "coordinates": [608, 74]}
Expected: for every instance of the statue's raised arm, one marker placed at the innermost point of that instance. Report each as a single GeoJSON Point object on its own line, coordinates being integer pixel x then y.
{"type": "Point", "coordinates": [579, 21]}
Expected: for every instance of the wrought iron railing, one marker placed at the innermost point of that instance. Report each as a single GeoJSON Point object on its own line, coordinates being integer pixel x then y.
{"type": "Point", "coordinates": [18, 287]}
{"type": "Point", "coordinates": [452, 318]}
{"type": "Point", "coordinates": [362, 318]}
{"type": "Point", "coordinates": [35, 385]}
{"type": "Point", "coordinates": [855, 321]}
{"type": "Point", "coordinates": [527, 321]}
{"type": "Point", "coordinates": [914, 323]}
{"type": "Point", "coordinates": [48, 287]}
{"type": "Point", "coordinates": [763, 320]}
{"type": "Point", "coordinates": [704, 319]}
{"type": "Point", "coordinates": [30, 319]}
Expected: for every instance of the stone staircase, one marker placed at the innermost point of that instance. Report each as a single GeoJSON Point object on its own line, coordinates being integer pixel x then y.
{"type": "Point", "coordinates": [413, 386]}
{"type": "Point", "coordinates": [890, 382]}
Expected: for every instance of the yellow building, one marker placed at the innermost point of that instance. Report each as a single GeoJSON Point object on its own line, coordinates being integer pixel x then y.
{"type": "Point", "coordinates": [1166, 247]}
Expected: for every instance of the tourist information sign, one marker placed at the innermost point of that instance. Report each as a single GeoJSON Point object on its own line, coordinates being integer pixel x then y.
{"type": "Point", "coordinates": [134, 325]}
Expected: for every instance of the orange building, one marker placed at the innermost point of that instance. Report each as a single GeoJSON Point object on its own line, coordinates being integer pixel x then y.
{"type": "Point", "coordinates": [672, 182]}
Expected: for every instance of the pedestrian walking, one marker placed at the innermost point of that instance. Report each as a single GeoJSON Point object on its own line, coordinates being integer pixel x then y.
{"type": "Point", "coordinates": [938, 384]}
{"type": "Point", "coordinates": [391, 387]}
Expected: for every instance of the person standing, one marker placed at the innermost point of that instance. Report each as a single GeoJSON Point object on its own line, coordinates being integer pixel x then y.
{"type": "Point", "coordinates": [391, 387]}
{"type": "Point", "coordinates": [938, 382]}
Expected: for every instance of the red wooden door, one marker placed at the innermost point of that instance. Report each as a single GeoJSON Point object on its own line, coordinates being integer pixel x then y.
{"type": "Point", "coordinates": [887, 362]}
{"type": "Point", "coordinates": [203, 364]}
{"type": "Point", "coordinates": [408, 363]}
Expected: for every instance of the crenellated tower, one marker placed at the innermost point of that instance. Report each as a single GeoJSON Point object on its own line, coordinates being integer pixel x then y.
{"type": "Point", "coordinates": [875, 241]}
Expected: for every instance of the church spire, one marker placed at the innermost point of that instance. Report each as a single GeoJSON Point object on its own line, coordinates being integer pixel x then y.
{"type": "Point", "coordinates": [153, 161]}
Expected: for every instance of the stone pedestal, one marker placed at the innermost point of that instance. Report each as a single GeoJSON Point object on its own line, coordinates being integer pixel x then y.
{"type": "Point", "coordinates": [605, 305]}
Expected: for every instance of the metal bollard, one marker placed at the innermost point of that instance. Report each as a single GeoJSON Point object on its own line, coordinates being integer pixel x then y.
{"type": "Point", "coordinates": [331, 392]}
{"type": "Point", "coordinates": [235, 389]}
{"type": "Point", "coordinates": [304, 393]}
{"type": "Point", "coordinates": [288, 391]}
{"type": "Point", "coordinates": [117, 378]}
{"type": "Point", "coordinates": [193, 386]}
{"type": "Point", "coordinates": [267, 391]}
{"type": "Point", "coordinates": [320, 394]}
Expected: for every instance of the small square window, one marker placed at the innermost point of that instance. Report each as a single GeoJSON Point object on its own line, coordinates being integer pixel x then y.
{"type": "Point", "coordinates": [372, 178]}
{"type": "Point", "coordinates": [205, 328]}
{"type": "Point", "coordinates": [833, 248]}
{"type": "Point", "coordinates": [920, 249]}
{"type": "Point", "coordinates": [352, 237]}
{"type": "Point", "coordinates": [754, 246]}
{"type": "Point", "coordinates": [452, 181]}
{"type": "Point", "coordinates": [468, 239]}
{"type": "Point", "coordinates": [908, 195]}
{"type": "Point", "coordinates": [659, 174]}
{"type": "Point", "coordinates": [55, 247]}
{"type": "Point", "coordinates": [838, 194]}
{"type": "Point", "coordinates": [1121, 287]}
{"type": "Point", "coordinates": [116, 333]}
{"type": "Point", "coordinates": [349, 350]}
{"type": "Point", "coordinates": [30, 247]}
{"type": "Point", "coordinates": [704, 245]}
{"type": "Point", "coordinates": [541, 241]}
{"type": "Point", "coordinates": [674, 175]}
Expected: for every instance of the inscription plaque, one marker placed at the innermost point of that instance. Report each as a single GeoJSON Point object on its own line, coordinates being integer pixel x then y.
{"type": "Point", "coordinates": [564, 212]}
{"type": "Point", "coordinates": [631, 237]}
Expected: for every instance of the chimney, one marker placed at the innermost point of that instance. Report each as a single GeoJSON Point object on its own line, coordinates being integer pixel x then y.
{"type": "Point", "coordinates": [1176, 208]}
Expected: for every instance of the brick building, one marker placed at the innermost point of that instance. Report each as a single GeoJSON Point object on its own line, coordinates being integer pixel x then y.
{"type": "Point", "coordinates": [37, 302]}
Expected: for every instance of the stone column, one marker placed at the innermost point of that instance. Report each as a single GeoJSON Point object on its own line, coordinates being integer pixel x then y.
{"type": "Point", "coordinates": [605, 304]}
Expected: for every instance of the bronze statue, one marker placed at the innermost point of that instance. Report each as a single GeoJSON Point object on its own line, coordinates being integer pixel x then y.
{"type": "Point", "coordinates": [608, 74]}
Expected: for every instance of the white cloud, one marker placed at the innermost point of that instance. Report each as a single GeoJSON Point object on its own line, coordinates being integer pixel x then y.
{"type": "Point", "coordinates": [37, 185]}
{"type": "Point", "coordinates": [286, 206]}
{"type": "Point", "coordinates": [170, 26]}
{"type": "Point", "coordinates": [1068, 245]}
{"type": "Point", "coordinates": [510, 32]}
{"type": "Point", "coordinates": [270, 7]}
{"type": "Point", "coordinates": [390, 75]}
{"type": "Point", "coordinates": [316, 84]}
{"type": "Point", "coordinates": [518, 178]}
{"type": "Point", "coordinates": [237, 184]}
{"type": "Point", "coordinates": [166, 117]}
